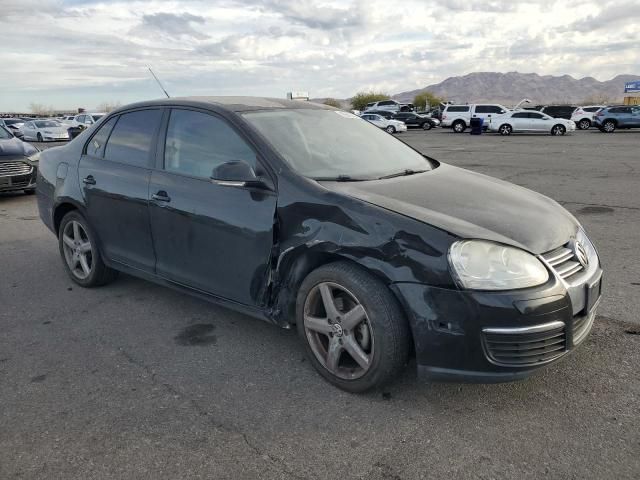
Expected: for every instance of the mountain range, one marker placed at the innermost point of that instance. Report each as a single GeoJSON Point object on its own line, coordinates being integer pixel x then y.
{"type": "Point", "coordinates": [510, 88]}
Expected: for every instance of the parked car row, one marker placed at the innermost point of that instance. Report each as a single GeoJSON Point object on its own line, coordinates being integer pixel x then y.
{"type": "Point", "coordinates": [394, 122]}
{"type": "Point", "coordinates": [555, 119]}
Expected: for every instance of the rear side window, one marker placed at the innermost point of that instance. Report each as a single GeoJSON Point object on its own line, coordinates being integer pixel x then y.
{"type": "Point", "coordinates": [130, 140]}
{"type": "Point", "coordinates": [521, 115]}
{"type": "Point", "coordinates": [387, 102]}
{"type": "Point", "coordinates": [488, 109]}
{"type": "Point", "coordinates": [97, 143]}
{"type": "Point", "coordinates": [198, 142]}
{"type": "Point", "coordinates": [460, 108]}
{"type": "Point", "coordinates": [591, 109]}
{"type": "Point", "coordinates": [537, 116]}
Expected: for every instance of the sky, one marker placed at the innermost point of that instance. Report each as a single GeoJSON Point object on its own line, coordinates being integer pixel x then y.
{"type": "Point", "coordinates": [73, 53]}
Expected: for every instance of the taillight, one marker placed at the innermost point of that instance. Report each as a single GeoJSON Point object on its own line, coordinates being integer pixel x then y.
{"type": "Point", "coordinates": [599, 113]}
{"type": "Point", "coordinates": [444, 117]}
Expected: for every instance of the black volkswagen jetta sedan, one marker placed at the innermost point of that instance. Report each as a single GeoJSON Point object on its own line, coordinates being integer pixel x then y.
{"type": "Point", "coordinates": [18, 163]}
{"type": "Point", "coordinates": [301, 214]}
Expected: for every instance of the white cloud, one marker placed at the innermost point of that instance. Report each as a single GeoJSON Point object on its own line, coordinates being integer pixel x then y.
{"type": "Point", "coordinates": [91, 51]}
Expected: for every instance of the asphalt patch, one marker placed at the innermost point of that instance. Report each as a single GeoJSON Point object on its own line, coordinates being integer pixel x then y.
{"type": "Point", "coordinates": [198, 334]}
{"type": "Point", "coordinates": [595, 210]}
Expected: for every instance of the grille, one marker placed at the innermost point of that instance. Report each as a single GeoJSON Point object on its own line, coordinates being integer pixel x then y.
{"type": "Point", "coordinates": [519, 347]}
{"type": "Point", "coordinates": [11, 169]}
{"type": "Point", "coordinates": [563, 260]}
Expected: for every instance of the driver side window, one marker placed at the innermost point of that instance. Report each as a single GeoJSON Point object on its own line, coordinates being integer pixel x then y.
{"type": "Point", "coordinates": [197, 142]}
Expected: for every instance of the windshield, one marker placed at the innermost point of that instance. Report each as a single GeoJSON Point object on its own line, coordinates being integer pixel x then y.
{"type": "Point", "coordinates": [46, 123]}
{"type": "Point", "coordinates": [330, 144]}
{"type": "Point", "coordinates": [4, 134]}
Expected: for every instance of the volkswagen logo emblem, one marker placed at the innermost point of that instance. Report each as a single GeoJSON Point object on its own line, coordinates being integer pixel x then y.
{"type": "Point", "coordinates": [581, 254]}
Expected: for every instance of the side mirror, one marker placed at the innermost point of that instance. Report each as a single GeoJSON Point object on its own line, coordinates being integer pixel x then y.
{"type": "Point", "coordinates": [237, 173]}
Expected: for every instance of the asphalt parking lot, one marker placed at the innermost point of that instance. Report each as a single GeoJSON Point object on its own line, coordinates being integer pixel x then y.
{"type": "Point", "coordinates": [137, 381]}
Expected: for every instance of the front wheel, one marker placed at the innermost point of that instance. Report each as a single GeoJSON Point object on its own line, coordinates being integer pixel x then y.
{"type": "Point", "coordinates": [505, 129]}
{"type": "Point", "coordinates": [80, 252]}
{"type": "Point", "coordinates": [39, 137]}
{"type": "Point", "coordinates": [390, 129]}
{"type": "Point", "coordinates": [558, 130]}
{"type": "Point", "coordinates": [354, 331]}
{"type": "Point", "coordinates": [426, 126]}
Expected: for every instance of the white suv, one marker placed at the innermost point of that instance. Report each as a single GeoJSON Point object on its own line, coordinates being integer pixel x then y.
{"type": "Point", "coordinates": [388, 105]}
{"type": "Point", "coordinates": [583, 116]}
{"type": "Point", "coordinates": [85, 120]}
{"type": "Point", "coordinates": [458, 117]}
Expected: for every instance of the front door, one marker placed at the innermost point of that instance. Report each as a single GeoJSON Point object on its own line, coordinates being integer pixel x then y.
{"type": "Point", "coordinates": [211, 237]}
{"type": "Point", "coordinates": [114, 174]}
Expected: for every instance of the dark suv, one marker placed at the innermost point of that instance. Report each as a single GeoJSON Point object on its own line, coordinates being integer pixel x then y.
{"type": "Point", "coordinates": [301, 214]}
{"type": "Point", "coordinates": [623, 116]}
{"type": "Point", "coordinates": [414, 120]}
{"type": "Point", "coordinates": [559, 111]}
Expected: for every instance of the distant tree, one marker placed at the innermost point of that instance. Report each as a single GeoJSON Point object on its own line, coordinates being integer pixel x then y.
{"type": "Point", "coordinates": [332, 102]}
{"type": "Point", "coordinates": [40, 109]}
{"type": "Point", "coordinates": [360, 100]}
{"type": "Point", "coordinates": [108, 106]}
{"type": "Point", "coordinates": [425, 100]}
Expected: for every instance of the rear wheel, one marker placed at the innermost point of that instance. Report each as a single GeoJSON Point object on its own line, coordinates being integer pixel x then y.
{"type": "Point", "coordinates": [609, 126]}
{"type": "Point", "coordinates": [354, 331]}
{"type": "Point", "coordinates": [80, 252]}
{"type": "Point", "coordinates": [505, 129]}
{"type": "Point", "coordinates": [426, 126]}
{"type": "Point", "coordinates": [558, 130]}
{"type": "Point", "coordinates": [584, 124]}
{"type": "Point", "coordinates": [459, 126]}
{"type": "Point", "coordinates": [390, 129]}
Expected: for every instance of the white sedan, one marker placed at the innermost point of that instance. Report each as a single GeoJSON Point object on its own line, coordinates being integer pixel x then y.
{"type": "Point", "coordinates": [530, 121]}
{"type": "Point", "coordinates": [44, 130]}
{"type": "Point", "coordinates": [390, 126]}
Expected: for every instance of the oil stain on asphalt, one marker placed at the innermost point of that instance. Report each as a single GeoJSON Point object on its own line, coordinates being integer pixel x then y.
{"type": "Point", "coordinates": [198, 334]}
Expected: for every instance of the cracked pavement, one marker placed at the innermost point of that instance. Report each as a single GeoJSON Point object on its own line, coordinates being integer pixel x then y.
{"type": "Point", "coordinates": [137, 381]}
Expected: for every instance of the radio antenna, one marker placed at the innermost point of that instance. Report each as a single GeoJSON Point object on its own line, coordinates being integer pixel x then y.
{"type": "Point", "coordinates": [160, 84]}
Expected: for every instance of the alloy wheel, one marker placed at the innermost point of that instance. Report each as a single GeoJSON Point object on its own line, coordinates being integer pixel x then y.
{"type": "Point", "coordinates": [338, 331]}
{"type": "Point", "coordinates": [505, 130]}
{"type": "Point", "coordinates": [584, 124]}
{"type": "Point", "coordinates": [78, 252]}
{"type": "Point", "coordinates": [609, 127]}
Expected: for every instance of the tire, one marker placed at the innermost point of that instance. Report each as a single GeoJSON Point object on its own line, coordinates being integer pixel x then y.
{"type": "Point", "coordinates": [558, 130]}
{"type": "Point", "coordinates": [459, 126]}
{"type": "Point", "coordinates": [390, 129]}
{"type": "Point", "coordinates": [609, 126]}
{"type": "Point", "coordinates": [505, 129]}
{"type": "Point", "coordinates": [92, 272]}
{"type": "Point", "coordinates": [427, 126]}
{"type": "Point", "coordinates": [39, 137]}
{"type": "Point", "coordinates": [30, 191]}
{"type": "Point", "coordinates": [584, 124]}
{"type": "Point", "coordinates": [378, 327]}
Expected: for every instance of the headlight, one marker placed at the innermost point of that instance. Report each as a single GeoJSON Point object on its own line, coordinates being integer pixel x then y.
{"type": "Point", "coordinates": [483, 265]}
{"type": "Point", "coordinates": [34, 158]}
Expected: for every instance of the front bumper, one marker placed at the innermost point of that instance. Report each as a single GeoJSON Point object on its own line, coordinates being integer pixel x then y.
{"type": "Point", "coordinates": [17, 175]}
{"type": "Point", "coordinates": [474, 336]}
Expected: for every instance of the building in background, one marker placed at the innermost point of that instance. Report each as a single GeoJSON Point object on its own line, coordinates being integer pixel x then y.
{"type": "Point", "coordinates": [632, 87]}
{"type": "Point", "coordinates": [298, 96]}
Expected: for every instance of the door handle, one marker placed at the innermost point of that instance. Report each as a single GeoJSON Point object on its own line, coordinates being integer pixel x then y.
{"type": "Point", "coordinates": [89, 180]}
{"type": "Point", "coordinates": [161, 196]}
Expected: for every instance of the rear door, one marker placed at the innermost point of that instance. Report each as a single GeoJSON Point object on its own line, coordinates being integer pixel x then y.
{"type": "Point", "coordinates": [520, 121]}
{"type": "Point", "coordinates": [114, 175]}
{"type": "Point", "coordinates": [212, 237]}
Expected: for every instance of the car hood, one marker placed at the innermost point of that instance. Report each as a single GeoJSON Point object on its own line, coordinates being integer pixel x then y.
{"type": "Point", "coordinates": [470, 205]}
{"type": "Point", "coordinates": [14, 147]}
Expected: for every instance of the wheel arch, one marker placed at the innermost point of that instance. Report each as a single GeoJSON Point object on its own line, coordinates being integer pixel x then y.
{"type": "Point", "coordinates": [61, 209]}
{"type": "Point", "coordinates": [295, 264]}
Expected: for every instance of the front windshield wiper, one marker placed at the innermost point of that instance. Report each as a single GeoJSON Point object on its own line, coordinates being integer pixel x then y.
{"type": "Point", "coordinates": [340, 178]}
{"type": "Point", "coordinates": [403, 173]}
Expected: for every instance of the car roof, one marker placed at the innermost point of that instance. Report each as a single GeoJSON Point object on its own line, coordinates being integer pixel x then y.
{"type": "Point", "coordinates": [234, 104]}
